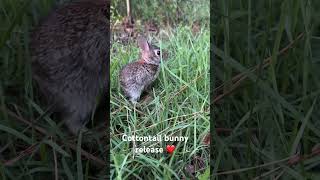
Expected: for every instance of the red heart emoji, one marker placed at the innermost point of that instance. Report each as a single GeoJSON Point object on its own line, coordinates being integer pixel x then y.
{"type": "Point", "coordinates": [170, 148]}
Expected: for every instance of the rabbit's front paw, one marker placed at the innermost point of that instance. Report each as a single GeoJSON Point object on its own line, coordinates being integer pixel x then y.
{"type": "Point", "coordinates": [76, 122]}
{"type": "Point", "coordinates": [134, 97]}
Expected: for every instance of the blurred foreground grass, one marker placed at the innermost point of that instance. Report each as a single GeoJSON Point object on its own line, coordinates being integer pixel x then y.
{"type": "Point", "coordinates": [272, 116]}
{"type": "Point", "coordinates": [33, 146]}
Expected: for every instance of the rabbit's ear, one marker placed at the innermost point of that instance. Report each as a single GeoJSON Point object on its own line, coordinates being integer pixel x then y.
{"type": "Point", "coordinates": [143, 44]}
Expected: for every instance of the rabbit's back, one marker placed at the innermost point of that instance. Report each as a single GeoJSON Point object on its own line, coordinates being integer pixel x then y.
{"type": "Point", "coordinates": [69, 52]}
{"type": "Point", "coordinates": [77, 31]}
{"type": "Point", "coordinates": [137, 73]}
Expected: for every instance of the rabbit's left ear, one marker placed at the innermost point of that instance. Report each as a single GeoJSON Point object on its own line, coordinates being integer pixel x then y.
{"type": "Point", "coordinates": [143, 44]}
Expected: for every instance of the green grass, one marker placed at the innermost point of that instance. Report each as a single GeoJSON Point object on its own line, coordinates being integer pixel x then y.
{"type": "Point", "coordinates": [164, 12]}
{"type": "Point", "coordinates": [273, 114]}
{"type": "Point", "coordinates": [34, 146]}
{"type": "Point", "coordinates": [179, 106]}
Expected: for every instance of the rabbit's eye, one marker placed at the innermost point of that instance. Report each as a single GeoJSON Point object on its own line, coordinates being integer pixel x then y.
{"type": "Point", "coordinates": [158, 53]}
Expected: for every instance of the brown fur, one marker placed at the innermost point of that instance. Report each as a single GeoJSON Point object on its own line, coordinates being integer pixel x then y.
{"type": "Point", "coordinates": [70, 51]}
{"type": "Point", "coordinates": [137, 76]}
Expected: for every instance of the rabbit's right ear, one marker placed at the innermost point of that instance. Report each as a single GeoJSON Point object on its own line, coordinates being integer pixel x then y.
{"type": "Point", "coordinates": [143, 44]}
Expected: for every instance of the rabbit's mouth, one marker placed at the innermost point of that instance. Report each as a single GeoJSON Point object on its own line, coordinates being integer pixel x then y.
{"type": "Point", "coordinates": [154, 62]}
{"type": "Point", "coordinates": [150, 60]}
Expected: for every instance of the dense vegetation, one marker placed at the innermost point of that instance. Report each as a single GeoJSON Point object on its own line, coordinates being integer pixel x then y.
{"type": "Point", "coordinates": [178, 104]}
{"type": "Point", "coordinates": [267, 108]}
{"type": "Point", "coordinates": [35, 146]}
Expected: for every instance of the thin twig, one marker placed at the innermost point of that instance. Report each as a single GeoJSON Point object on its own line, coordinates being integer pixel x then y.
{"type": "Point", "coordinates": [290, 161]}
{"type": "Point", "coordinates": [55, 163]}
{"type": "Point", "coordinates": [237, 80]}
{"type": "Point", "coordinates": [84, 153]}
{"type": "Point", "coordinates": [184, 87]}
{"type": "Point", "coordinates": [21, 155]}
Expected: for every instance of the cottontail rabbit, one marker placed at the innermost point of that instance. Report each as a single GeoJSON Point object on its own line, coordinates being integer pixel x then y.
{"type": "Point", "coordinates": [70, 51]}
{"type": "Point", "coordinates": [137, 76]}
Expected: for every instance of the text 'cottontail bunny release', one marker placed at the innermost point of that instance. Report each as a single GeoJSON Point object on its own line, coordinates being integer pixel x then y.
{"type": "Point", "coordinates": [137, 76]}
